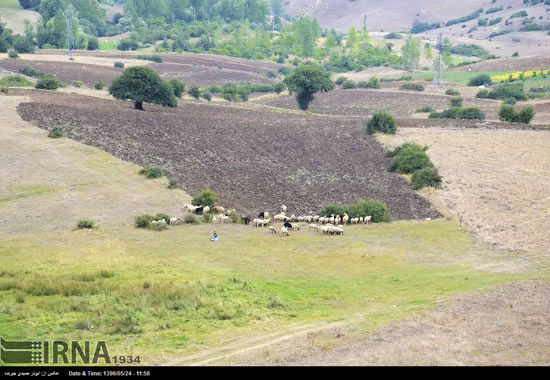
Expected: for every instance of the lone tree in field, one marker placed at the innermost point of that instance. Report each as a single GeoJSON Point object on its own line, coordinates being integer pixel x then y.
{"type": "Point", "coordinates": [143, 85]}
{"type": "Point", "coordinates": [306, 80]}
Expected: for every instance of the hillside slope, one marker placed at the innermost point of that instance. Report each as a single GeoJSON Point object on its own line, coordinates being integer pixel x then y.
{"type": "Point", "coordinates": [14, 15]}
{"type": "Point", "coordinates": [389, 14]}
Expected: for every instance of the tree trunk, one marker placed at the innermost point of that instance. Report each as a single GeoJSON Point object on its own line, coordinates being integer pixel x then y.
{"type": "Point", "coordinates": [138, 106]}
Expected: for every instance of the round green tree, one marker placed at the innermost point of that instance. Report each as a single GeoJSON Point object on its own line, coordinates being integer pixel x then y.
{"type": "Point", "coordinates": [143, 85]}
{"type": "Point", "coordinates": [306, 80]}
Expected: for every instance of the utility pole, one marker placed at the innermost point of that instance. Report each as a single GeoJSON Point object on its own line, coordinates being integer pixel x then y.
{"type": "Point", "coordinates": [70, 37]}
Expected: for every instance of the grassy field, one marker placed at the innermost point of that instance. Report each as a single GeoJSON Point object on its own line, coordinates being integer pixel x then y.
{"type": "Point", "coordinates": [14, 15]}
{"type": "Point", "coordinates": [108, 45]}
{"type": "Point", "coordinates": [162, 294]}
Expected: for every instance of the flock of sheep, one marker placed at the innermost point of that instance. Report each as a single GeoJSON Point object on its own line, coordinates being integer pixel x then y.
{"type": "Point", "coordinates": [327, 225]}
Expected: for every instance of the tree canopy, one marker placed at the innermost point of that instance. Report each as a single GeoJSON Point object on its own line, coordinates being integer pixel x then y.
{"type": "Point", "coordinates": [143, 85]}
{"type": "Point", "coordinates": [306, 80]}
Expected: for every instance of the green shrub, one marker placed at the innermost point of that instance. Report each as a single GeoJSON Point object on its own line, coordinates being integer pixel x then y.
{"type": "Point", "coordinates": [507, 113]}
{"type": "Point", "coordinates": [4, 90]}
{"type": "Point", "coordinates": [172, 184]}
{"type": "Point", "coordinates": [30, 72]}
{"type": "Point", "coordinates": [371, 83]}
{"type": "Point", "coordinates": [78, 84]}
{"type": "Point", "coordinates": [506, 91]}
{"type": "Point", "coordinates": [177, 87]}
{"type": "Point", "coordinates": [409, 158]}
{"type": "Point", "coordinates": [13, 54]}
{"type": "Point", "coordinates": [205, 198]}
{"type": "Point", "coordinates": [143, 221]}
{"type": "Point", "coordinates": [348, 84]}
{"type": "Point", "coordinates": [452, 92]}
{"type": "Point", "coordinates": [47, 82]}
{"type": "Point", "coordinates": [283, 70]}
{"type": "Point", "coordinates": [510, 101]}
{"type": "Point", "coordinates": [376, 209]}
{"type": "Point", "coordinates": [480, 80]}
{"type": "Point", "coordinates": [119, 65]}
{"type": "Point", "coordinates": [467, 113]}
{"type": "Point", "coordinates": [381, 122]}
{"type": "Point", "coordinates": [195, 92]}
{"type": "Point", "coordinates": [340, 80]}
{"type": "Point", "coordinates": [207, 218]}
{"type": "Point", "coordinates": [85, 224]}
{"type": "Point", "coordinates": [235, 217]}
{"type": "Point", "coordinates": [155, 58]}
{"type": "Point", "coordinates": [190, 219]}
{"type": "Point", "coordinates": [151, 172]}
{"type": "Point", "coordinates": [207, 96]}
{"type": "Point", "coordinates": [99, 85]}
{"type": "Point", "coordinates": [412, 87]}
{"type": "Point", "coordinates": [278, 87]}
{"type": "Point", "coordinates": [271, 74]}
{"type": "Point", "coordinates": [408, 145]}
{"type": "Point", "coordinates": [93, 43]}
{"type": "Point", "coordinates": [425, 177]}
{"type": "Point", "coordinates": [15, 81]}
{"type": "Point", "coordinates": [425, 109]}
{"type": "Point", "coordinates": [329, 210]}
{"type": "Point", "coordinates": [161, 216]}
{"type": "Point", "coordinates": [55, 133]}
{"type": "Point", "coordinates": [456, 102]}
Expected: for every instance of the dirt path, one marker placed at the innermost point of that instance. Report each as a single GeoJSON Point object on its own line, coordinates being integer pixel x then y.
{"type": "Point", "coordinates": [97, 185]}
{"type": "Point", "coordinates": [247, 345]}
{"type": "Point", "coordinates": [505, 326]}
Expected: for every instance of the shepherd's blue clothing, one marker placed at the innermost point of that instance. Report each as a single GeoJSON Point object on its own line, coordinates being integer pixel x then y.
{"type": "Point", "coordinates": [214, 239]}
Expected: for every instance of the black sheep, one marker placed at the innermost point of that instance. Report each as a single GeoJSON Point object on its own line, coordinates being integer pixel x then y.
{"type": "Point", "coordinates": [246, 220]}
{"type": "Point", "coordinates": [198, 211]}
{"type": "Point", "coordinates": [262, 215]}
{"type": "Point", "coordinates": [288, 225]}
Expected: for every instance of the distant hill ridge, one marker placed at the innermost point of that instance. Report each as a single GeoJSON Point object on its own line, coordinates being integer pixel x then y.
{"type": "Point", "coordinates": [390, 14]}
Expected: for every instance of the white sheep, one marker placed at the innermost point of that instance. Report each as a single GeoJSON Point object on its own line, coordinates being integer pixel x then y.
{"type": "Point", "coordinates": [367, 219]}
{"type": "Point", "coordinates": [279, 217]}
{"type": "Point", "coordinates": [175, 221]}
{"type": "Point", "coordinates": [284, 232]}
{"type": "Point", "coordinates": [219, 209]}
{"type": "Point", "coordinates": [283, 209]}
{"type": "Point", "coordinates": [206, 210]}
{"type": "Point", "coordinates": [345, 219]}
{"type": "Point", "coordinates": [272, 230]}
{"type": "Point", "coordinates": [314, 227]}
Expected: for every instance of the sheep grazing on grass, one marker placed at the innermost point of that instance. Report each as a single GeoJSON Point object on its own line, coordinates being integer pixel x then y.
{"type": "Point", "coordinates": [345, 219]}
{"type": "Point", "coordinates": [219, 209]}
{"type": "Point", "coordinates": [246, 220]}
{"type": "Point", "coordinates": [283, 209]}
{"type": "Point", "coordinates": [288, 225]}
{"type": "Point", "coordinates": [214, 220]}
{"type": "Point", "coordinates": [284, 231]}
{"type": "Point", "coordinates": [331, 219]}
{"type": "Point", "coordinates": [280, 217]}
{"type": "Point", "coordinates": [175, 221]}
{"type": "Point", "coordinates": [224, 219]}
{"type": "Point", "coordinates": [337, 219]}
{"type": "Point", "coordinates": [316, 218]}
{"type": "Point", "coordinates": [272, 230]}
{"type": "Point", "coordinates": [198, 210]}
{"type": "Point", "coordinates": [261, 222]}
{"type": "Point", "coordinates": [355, 221]}
{"type": "Point", "coordinates": [367, 219]}
{"type": "Point", "coordinates": [206, 210]}
{"type": "Point", "coordinates": [190, 208]}
{"type": "Point", "coordinates": [314, 227]}
{"type": "Point", "coordinates": [361, 220]}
